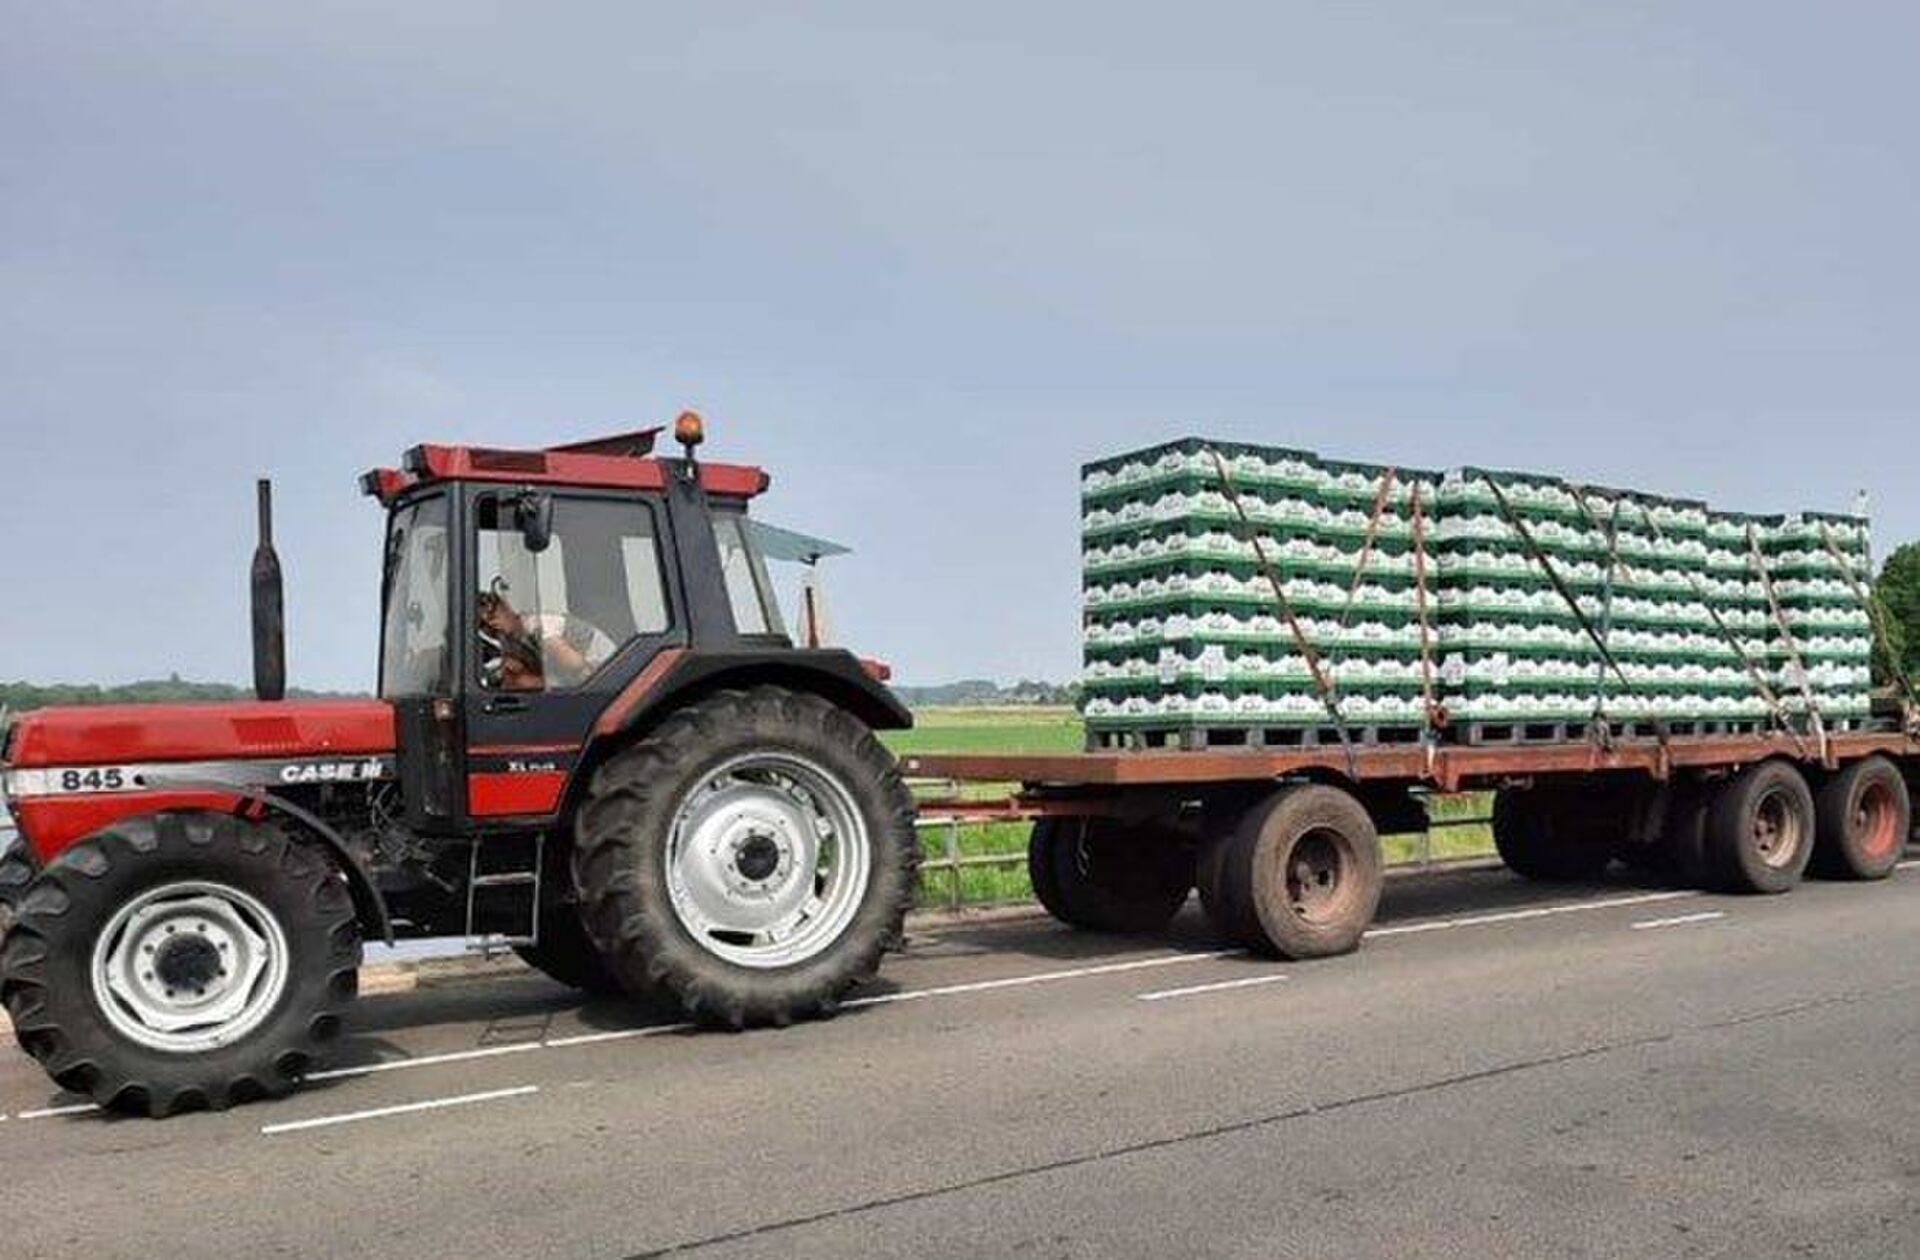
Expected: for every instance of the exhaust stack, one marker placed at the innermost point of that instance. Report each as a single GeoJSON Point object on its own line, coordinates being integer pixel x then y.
{"type": "Point", "coordinates": [269, 611]}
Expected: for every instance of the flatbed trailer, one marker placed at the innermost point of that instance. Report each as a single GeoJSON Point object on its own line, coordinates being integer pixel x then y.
{"type": "Point", "coordinates": [1283, 843]}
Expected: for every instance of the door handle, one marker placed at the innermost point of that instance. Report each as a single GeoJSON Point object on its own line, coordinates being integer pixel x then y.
{"type": "Point", "coordinates": [506, 704]}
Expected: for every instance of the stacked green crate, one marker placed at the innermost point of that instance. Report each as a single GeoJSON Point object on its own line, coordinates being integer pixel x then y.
{"type": "Point", "coordinates": [1733, 582]}
{"type": "Point", "coordinates": [1819, 563]}
{"type": "Point", "coordinates": [1679, 665]}
{"type": "Point", "coordinates": [1513, 651]}
{"type": "Point", "coordinates": [1184, 633]}
{"type": "Point", "coordinates": [1183, 629]}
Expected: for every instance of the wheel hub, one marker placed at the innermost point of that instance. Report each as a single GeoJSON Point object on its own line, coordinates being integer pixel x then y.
{"type": "Point", "coordinates": [187, 963]}
{"type": "Point", "coordinates": [768, 860]}
{"type": "Point", "coordinates": [188, 967]}
{"type": "Point", "coordinates": [1313, 875]}
{"type": "Point", "coordinates": [757, 859]}
{"type": "Point", "coordinates": [1776, 832]}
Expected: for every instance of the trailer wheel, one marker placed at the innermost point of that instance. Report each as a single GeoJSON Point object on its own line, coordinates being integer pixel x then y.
{"type": "Point", "coordinates": [1862, 816]}
{"type": "Point", "coordinates": [1529, 834]}
{"type": "Point", "coordinates": [1685, 835]}
{"type": "Point", "coordinates": [1226, 896]}
{"type": "Point", "coordinates": [1041, 846]}
{"type": "Point", "coordinates": [753, 855]}
{"type": "Point", "coordinates": [182, 961]}
{"type": "Point", "coordinates": [1760, 830]}
{"type": "Point", "coordinates": [1307, 862]}
{"type": "Point", "coordinates": [1108, 876]}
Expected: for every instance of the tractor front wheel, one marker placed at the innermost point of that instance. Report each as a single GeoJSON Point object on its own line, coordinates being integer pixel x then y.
{"type": "Point", "coordinates": [753, 855]}
{"type": "Point", "coordinates": [181, 961]}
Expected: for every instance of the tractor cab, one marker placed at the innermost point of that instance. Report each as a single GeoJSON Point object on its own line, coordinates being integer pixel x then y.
{"type": "Point", "coordinates": [532, 600]}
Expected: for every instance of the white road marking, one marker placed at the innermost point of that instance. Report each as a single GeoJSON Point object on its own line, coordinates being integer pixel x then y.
{"type": "Point", "coordinates": [1907, 865]}
{"type": "Point", "coordinates": [1247, 982]}
{"type": "Point", "coordinates": [1041, 977]}
{"type": "Point", "coordinates": [618, 1034]}
{"type": "Point", "coordinates": [1679, 920]}
{"type": "Point", "coordinates": [404, 1109]}
{"type": "Point", "coordinates": [47, 1113]}
{"type": "Point", "coordinates": [1534, 912]}
{"type": "Point", "coordinates": [425, 1060]}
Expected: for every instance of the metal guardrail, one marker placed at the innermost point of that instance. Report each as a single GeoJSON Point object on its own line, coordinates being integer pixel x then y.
{"type": "Point", "coordinates": [952, 864]}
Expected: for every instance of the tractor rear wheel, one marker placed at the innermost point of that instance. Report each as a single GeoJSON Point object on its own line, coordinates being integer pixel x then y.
{"type": "Point", "coordinates": [1862, 815]}
{"type": "Point", "coordinates": [753, 855]}
{"type": "Point", "coordinates": [182, 961]}
{"type": "Point", "coordinates": [1107, 876]}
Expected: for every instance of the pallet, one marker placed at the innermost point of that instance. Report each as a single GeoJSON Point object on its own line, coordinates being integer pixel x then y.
{"type": "Point", "coordinates": [1201, 738]}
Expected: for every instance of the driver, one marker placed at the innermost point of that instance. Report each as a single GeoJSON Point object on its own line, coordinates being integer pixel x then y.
{"type": "Point", "coordinates": [537, 647]}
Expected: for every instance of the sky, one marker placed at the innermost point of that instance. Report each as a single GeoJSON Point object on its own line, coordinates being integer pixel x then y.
{"type": "Point", "coordinates": [921, 262]}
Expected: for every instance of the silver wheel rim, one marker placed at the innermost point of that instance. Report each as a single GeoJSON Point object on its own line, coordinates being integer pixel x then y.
{"type": "Point", "coordinates": [768, 860]}
{"type": "Point", "coordinates": [189, 967]}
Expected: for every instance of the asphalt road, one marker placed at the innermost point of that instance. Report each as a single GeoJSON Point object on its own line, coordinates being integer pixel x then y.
{"type": "Point", "coordinates": [1503, 1071]}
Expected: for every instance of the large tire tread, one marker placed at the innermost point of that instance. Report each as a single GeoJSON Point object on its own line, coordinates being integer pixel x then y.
{"type": "Point", "coordinates": [619, 849]}
{"type": "Point", "coordinates": [46, 956]}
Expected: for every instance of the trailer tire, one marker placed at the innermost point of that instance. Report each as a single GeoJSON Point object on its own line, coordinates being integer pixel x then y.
{"type": "Point", "coordinates": [195, 891]}
{"type": "Point", "coordinates": [743, 783]}
{"type": "Point", "coordinates": [1225, 897]}
{"type": "Point", "coordinates": [1041, 846]}
{"type": "Point", "coordinates": [1862, 816]}
{"type": "Point", "coordinates": [1529, 839]}
{"type": "Point", "coordinates": [1109, 876]}
{"type": "Point", "coordinates": [1685, 835]}
{"type": "Point", "coordinates": [1308, 861]}
{"type": "Point", "coordinates": [1760, 830]}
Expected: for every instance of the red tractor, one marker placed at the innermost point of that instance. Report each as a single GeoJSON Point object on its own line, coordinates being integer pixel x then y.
{"type": "Point", "coordinates": [594, 742]}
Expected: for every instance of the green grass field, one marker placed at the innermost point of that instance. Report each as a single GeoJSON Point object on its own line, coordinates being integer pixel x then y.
{"type": "Point", "coordinates": [1038, 730]}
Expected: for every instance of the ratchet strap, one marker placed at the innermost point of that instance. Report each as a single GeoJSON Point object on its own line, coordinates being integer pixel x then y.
{"type": "Point", "coordinates": [1367, 544]}
{"type": "Point", "coordinates": [1540, 558]}
{"type": "Point", "coordinates": [1776, 709]}
{"type": "Point", "coordinates": [1793, 645]}
{"type": "Point", "coordinates": [1322, 680]}
{"type": "Point", "coordinates": [1876, 618]}
{"type": "Point", "coordinates": [1436, 716]}
{"type": "Point", "coordinates": [1611, 531]}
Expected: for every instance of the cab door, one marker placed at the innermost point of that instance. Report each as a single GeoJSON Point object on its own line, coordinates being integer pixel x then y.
{"type": "Point", "coordinates": [571, 597]}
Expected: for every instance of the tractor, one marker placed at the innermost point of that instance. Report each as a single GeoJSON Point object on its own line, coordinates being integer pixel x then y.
{"type": "Point", "coordinates": [594, 742]}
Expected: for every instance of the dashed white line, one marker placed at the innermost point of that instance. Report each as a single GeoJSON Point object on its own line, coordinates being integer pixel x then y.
{"type": "Point", "coordinates": [1534, 912]}
{"type": "Point", "coordinates": [48, 1113]}
{"type": "Point", "coordinates": [617, 1034]}
{"type": "Point", "coordinates": [1246, 982]}
{"type": "Point", "coordinates": [425, 1060]}
{"type": "Point", "coordinates": [1041, 977]}
{"type": "Point", "coordinates": [403, 1109]}
{"type": "Point", "coordinates": [1679, 920]}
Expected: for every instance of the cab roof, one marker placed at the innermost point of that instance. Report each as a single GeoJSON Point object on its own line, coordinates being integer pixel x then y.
{"type": "Point", "coordinates": [622, 461]}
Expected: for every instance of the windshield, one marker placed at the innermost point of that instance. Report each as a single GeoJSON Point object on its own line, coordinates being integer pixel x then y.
{"type": "Point", "coordinates": [413, 637]}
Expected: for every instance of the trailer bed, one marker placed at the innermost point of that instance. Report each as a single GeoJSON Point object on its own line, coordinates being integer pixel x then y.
{"type": "Point", "coordinates": [1444, 767]}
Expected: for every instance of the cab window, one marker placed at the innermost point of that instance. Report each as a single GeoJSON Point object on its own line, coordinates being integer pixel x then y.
{"type": "Point", "coordinates": [749, 591]}
{"type": "Point", "coordinates": [550, 620]}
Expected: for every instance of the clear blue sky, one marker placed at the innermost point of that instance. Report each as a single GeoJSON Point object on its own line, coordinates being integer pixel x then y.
{"type": "Point", "coordinates": [921, 261]}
